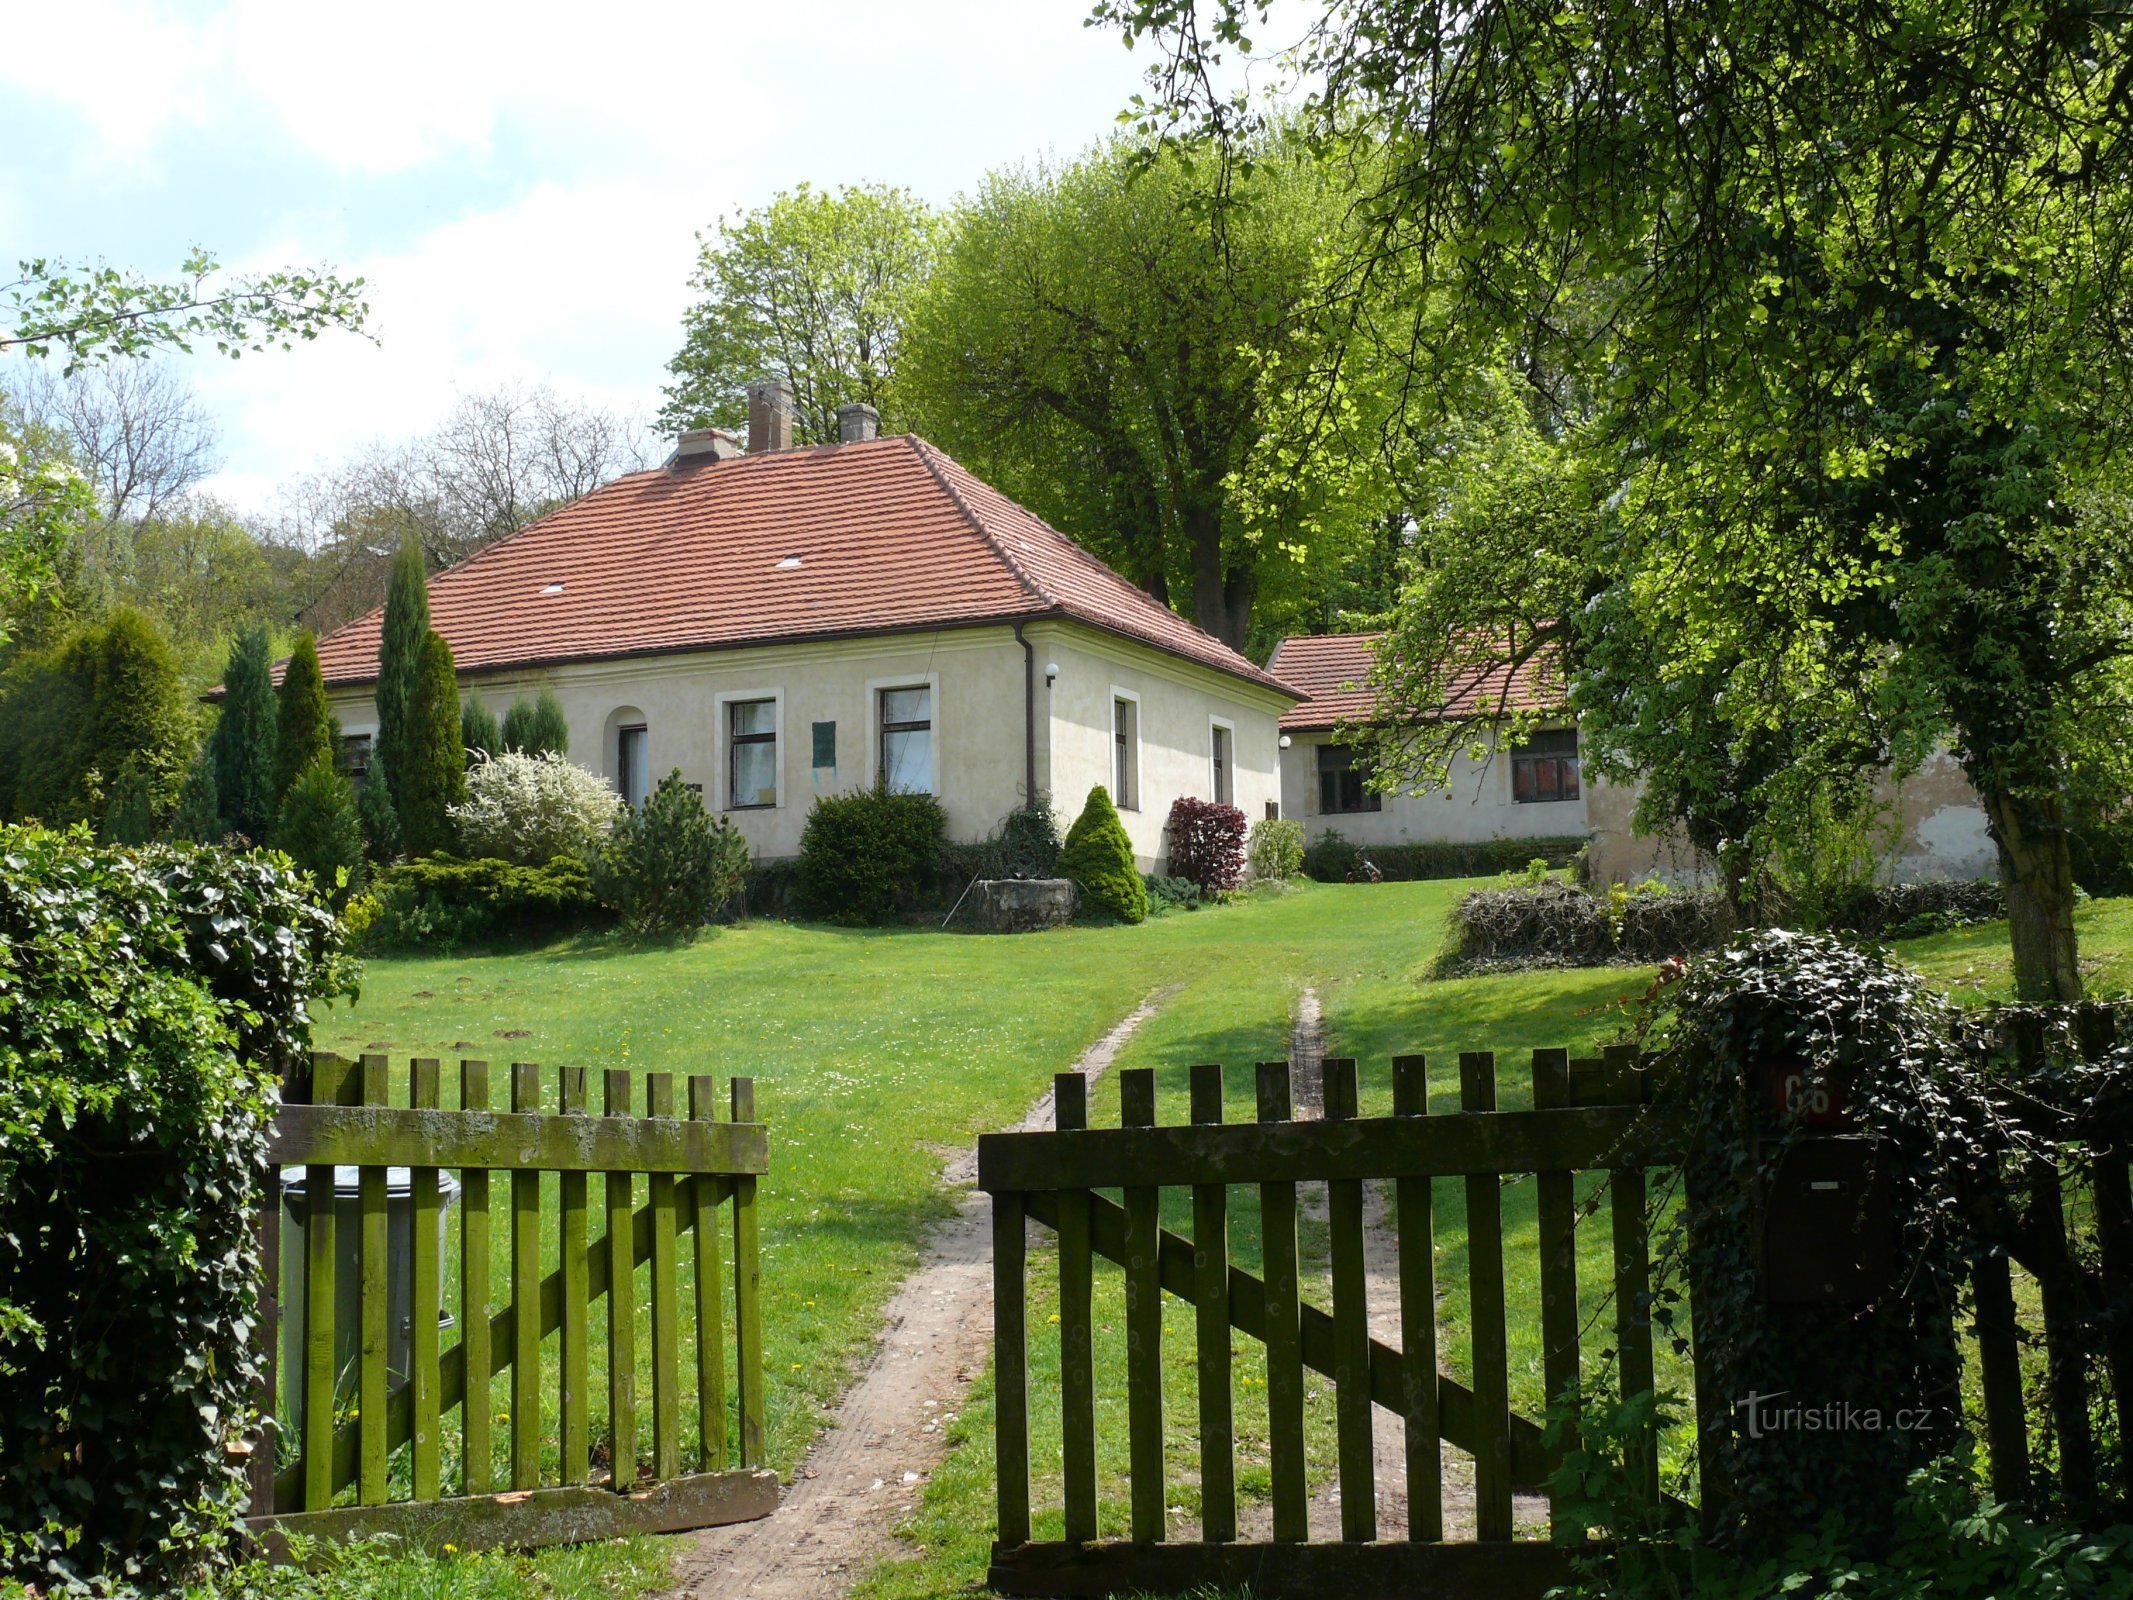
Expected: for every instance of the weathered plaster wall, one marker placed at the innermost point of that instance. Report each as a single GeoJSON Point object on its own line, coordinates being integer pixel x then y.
{"type": "Point", "coordinates": [1475, 805]}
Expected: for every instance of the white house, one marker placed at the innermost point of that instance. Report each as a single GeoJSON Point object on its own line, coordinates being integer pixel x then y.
{"type": "Point", "coordinates": [781, 623]}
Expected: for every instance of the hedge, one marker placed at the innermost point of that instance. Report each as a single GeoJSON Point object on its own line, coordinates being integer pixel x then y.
{"type": "Point", "coordinates": [1330, 857]}
{"type": "Point", "coordinates": [868, 856]}
{"type": "Point", "coordinates": [149, 1005]}
{"type": "Point", "coordinates": [1557, 924]}
{"type": "Point", "coordinates": [438, 902]}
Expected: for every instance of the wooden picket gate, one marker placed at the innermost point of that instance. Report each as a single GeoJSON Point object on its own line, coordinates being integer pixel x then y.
{"type": "Point", "coordinates": [699, 1178]}
{"type": "Point", "coordinates": [1586, 1118]}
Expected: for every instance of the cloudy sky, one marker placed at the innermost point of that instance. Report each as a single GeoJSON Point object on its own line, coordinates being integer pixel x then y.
{"type": "Point", "coordinates": [520, 183]}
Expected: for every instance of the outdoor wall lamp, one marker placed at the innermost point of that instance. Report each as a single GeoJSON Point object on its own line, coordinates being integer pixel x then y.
{"type": "Point", "coordinates": [1284, 741]}
{"type": "Point", "coordinates": [1051, 673]}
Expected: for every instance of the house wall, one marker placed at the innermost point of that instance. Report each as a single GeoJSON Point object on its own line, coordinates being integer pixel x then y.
{"type": "Point", "coordinates": [977, 675]}
{"type": "Point", "coordinates": [1938, 830]}
{"type": "Point", "coordinates": [1180, 703]}
{"type": "Point", "coordinates": [1475, 805]}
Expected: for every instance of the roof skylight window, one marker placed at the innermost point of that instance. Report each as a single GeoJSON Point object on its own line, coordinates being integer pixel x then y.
{"type": "Point", "coordinates": [788, 563]}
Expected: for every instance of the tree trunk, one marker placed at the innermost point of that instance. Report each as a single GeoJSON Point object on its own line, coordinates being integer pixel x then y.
{"type": "Point", "coordinates": [2037, 875]}
{"type": "Point", "coordinates": [1210, 597]}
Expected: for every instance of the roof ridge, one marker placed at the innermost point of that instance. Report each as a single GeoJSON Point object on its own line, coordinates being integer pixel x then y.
{"type": "Point", "coordinates": [926, 453]}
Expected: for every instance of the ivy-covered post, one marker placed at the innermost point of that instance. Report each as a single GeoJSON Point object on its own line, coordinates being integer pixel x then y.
{"type": "Point", "coordinates": [1834, 1130]}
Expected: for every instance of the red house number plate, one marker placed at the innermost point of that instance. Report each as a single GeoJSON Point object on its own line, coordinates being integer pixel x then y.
{"type": "Point", "coordinates": [1818, 1103]}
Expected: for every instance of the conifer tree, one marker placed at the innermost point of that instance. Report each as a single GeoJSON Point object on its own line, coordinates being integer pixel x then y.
{"type": "Point", "coordinates": [318, 829]}
{"type": "Point", "coordinates": [244, 738]}
{"type": "Point", "coordinates": [1098, 855]}
{"type": "Point", "coordinates": [304, 731]}
{"type": "Point", "coordinates": [400, 646]}
{"type": "Point", "coordinates": [537, 727]}
{"type": "Point", "coordinates": [479, 729]}
{"type": "Point", "coordinates": [199, 814]}
{"type": "Point", "coordinates": [138, 714]}
{"type": "Point", "coordinates": [374, 809]}
{"type": "Point", "coordinates": [435, 775]}
{"type": "Point", "coordinates": [129, 811]}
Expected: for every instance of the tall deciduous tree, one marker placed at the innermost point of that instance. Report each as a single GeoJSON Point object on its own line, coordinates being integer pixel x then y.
{"type": "Point", "coordinates": [304, 731]}
{"type": "Point", "coordinates": [244, 737]}
{"type": "Point", "coordinates": [435, 776]}
{"type": "Point", "coordinates": [405, 628]}
{"type": "Point", "coordinates": [1095, 341]}
{"type": "Point", "coordinates": [813, 288]}
{"type": "Point", "coordinates": [1848, 288]}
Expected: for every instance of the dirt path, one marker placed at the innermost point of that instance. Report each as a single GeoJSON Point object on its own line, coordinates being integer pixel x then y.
{"type": "Point", "coordinates": [863, 1475]}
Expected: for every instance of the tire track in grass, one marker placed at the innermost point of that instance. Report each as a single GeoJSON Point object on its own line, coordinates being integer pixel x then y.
{"type": "Point", "coordinates": [863, 1476]}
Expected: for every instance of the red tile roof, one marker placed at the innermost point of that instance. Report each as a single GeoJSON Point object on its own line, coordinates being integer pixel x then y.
{"type": "Point", "coordinates": [1333, 671]}
{"type": "Point", "coordinates": [886, 535]}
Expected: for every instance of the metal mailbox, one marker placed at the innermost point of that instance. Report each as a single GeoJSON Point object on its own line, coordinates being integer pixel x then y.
{"type": "Point", "coordinates": [1825, 1223]}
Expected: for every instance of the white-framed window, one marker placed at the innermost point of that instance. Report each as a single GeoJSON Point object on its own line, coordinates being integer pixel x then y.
{"type": "Point", "coordinates": [1221, 761]}
{"type": "Point", "coordinates": [1125, 750]}
{"type": "Point", "coordinates": [751, 753]}
{"type": "Point", "coordinates": [906, 724]}
{"type": "Point", "coordinates": [633, 763]}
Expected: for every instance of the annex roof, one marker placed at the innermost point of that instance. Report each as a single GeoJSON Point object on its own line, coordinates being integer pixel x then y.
{"type": "Point", "coordinates": [877, 536]}
{"type": "Point", "coordinates": [1333, 672]}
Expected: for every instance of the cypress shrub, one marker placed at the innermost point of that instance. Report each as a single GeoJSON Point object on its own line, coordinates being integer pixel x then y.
{"type": "Point", "coordinates": [318, 830]}
{"type": "Point", "coordinates": [868, 855]}
{"type": "Point", "coordinates": [401, 640]}
{"type": "Point", "coordinates": [1098, 856]}
{"type": "Point", "coordinates": [374, 810]}
{"type": "Point", "coordinates": [479, 729]}
{"type": "Point", "coordinates": [199, 815]}
{"type": "Point", "coordinates": [304, 732]}
{"type": "Point", "coordinates": [129, 812]}
{"type": "Point", "coordinates": [669, 867]}
{"type": "Point", "coordinates": [537, 727]}
{"type": "Point", "coordinates": [435, 779]}
{"type": "Point", "coordinates": [42, 708]}
{"type": "Point", "coordinates": [244, 737]}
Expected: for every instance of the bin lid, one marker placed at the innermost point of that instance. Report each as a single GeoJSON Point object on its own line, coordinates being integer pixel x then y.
{"type": "Point", "coordinates": [399, 1183]}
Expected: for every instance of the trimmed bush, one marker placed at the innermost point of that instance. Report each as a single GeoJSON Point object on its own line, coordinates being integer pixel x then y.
{"type": "Point", "coordinates": [435, 779]}
{"type": "Point", "coordinates": [533, 808]}
{"type": "Point", "coordinates": [1099, 856]}
{"type": "Point", "coordinates": [537, 727]}
{"type": "Point", "coordinates": [244, 737]}
{"type": "Point", "coordinates": [1206, 844]}
{"type": "Point", "coordinates": [438, 902]}
{"type": "Point", "coordinates": [669, 867]}
{"type": "Point", "coordinates": [1906, 910]}
{"type": "Point", "coordinates": [1166, 895]}
{"type": "Point", "coordinates": [150, 1002]}
{"type": "Point", "coordinates": [319, 831]}
{"type": "Point", "coordinates": [1331, 857]}
{"type": "Point", "coordinates": [1275, 848]}
{"type": "Point", "coordinates": [304, 734]}
{"type": "Point", "coordinates": [868, 856]}
{"type": "Point", "coordinates": [1560, 925]}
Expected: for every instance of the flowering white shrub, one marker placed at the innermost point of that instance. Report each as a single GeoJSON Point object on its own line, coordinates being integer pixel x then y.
{"type": "Point", "coordinates": [531, 809]}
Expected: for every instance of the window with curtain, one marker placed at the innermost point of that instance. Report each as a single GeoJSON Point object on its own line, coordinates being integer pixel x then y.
{"type": "Point", "coordinates": [751, 754]}
{"type": "Point", "coordinates": [907, 740]}
{"type": "Point", "coordinates": [1340, 782]}
{"type": "Point", "coordinates": [633, 762]}
{"type": "Point", "coordinates": [1545, 767]}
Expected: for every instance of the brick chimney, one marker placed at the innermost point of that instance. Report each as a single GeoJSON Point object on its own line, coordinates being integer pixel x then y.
{"type": "Point", "coordinates": [769, 416]}
{"type": "Point", "coordinates": [857, 423]}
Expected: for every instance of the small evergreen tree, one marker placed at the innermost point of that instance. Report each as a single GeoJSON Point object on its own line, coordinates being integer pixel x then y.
{"type": "Point", "coordinates": [374, 809]}
{"type": "Point", "coordinates": [304, 732]}
{"type": "Point", "coordinates": [537, 727]}
{"type": "Point", "coordinates": [244, 737]}
{"type": "Point", "coordinates": [401, 641]}
{"type": "Point", "coordinates": [129, 811]}
{"type": "Point", "coordinates": [199, 814]}
{"type": "Point", "coordinates": [318, 829]}
{"type": "Point", "coordinates": [1099, 856]}
{"type": "Point", "coordinates": [669, 867]}
{"type": "Point", "coordinates": [435, 779]}
{"type": "Point", "coordinates": [479, 729]}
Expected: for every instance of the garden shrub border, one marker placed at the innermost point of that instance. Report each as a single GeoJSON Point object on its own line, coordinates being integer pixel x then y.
{"type": "Point", "coordinates": [1330, 856]}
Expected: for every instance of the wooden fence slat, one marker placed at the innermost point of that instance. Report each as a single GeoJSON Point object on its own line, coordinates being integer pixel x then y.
{"type": "Point", "coordinates": [748, 1292]}
{"type": "Point", "coordinates": [705, 1195]}
{"type": "Point", "coordinates": [1999, 1351]}
{"type": "Point", "coordinates": [1351, 1324]}
{"type": "Point", "coordinates": [666, 1310]}
{"type": "Point", "coordinates": [1284, 1334]}
{"type": "Point", "coordinates": [474, 1305]}
{"type": "Point", "coordinates": [1485, 1298]}
{"type": "Point", "coordinates": [1010, 1343]}
{"type": "Point", "coordinates": [374, 1279]}
{"type": "Point", "coordinates": [619, 1192]}
{"type": "Point", "coordinates": [424, 1309]}
{"type": "Point", "coordinates": [2111, 1183]}
{"type": "Point", "coordinates": [329, 1079]}
{"type": "Point", "coordinates": [574, 1378]}
{"type": "Point", "coordinates": [266, 1345]}
{"type": "Point", "coordinates": [525, 1296]}
{"type": "Point", "coordinates": [1627, 1204]}
{"type": "Point", "coordinates": [2047, 1254]}
{"type": "Point", "coordinates": [1413, 1207]}
{"type": "Point", "coordinates": [1144, 1324]}
{"type": "Point", "coordinates": [1556, 1209]}
{"type": "Point", "coordinates": [1210, 1257]}
{"type": "Point", "coordinates": [377, 1136]}
{"type": "Point", "coordinates": [1077, 1337]}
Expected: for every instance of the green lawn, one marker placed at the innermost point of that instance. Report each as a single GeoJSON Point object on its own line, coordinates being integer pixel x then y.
{"type": "Point", "coordinates": [876, 1054]}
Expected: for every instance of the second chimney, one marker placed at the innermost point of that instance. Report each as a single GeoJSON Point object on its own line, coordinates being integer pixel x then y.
{"type": "Point", "coordinates": [857, 423]}
{"type": "Point", "coordinates": [769, 416]}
